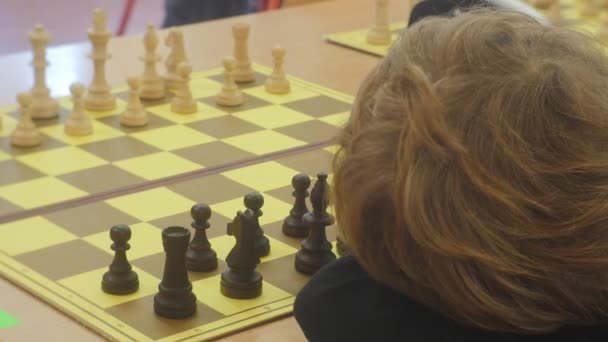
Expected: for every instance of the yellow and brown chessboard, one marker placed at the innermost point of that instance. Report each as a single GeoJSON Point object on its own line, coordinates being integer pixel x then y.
{"type": "Point", "coordinates": [60, 256]}
{"type": "Point", "coordinates": [572, 16]}
{"type": "Point", "coordinates": [358, 40]}
{"type": "Point", "coordinates": [66, 168]}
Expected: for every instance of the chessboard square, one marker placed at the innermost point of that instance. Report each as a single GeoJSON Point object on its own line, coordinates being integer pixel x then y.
{"type": "Point", "coordinates": [62, 160]}
{"type": "Point", "coordinates": [271, 117]}
{"type": "Point", "coordinates": [230, 306]}
{"type": "Point", "coordinates": [281, 272]}
{"type": "Point", "coordinates": [204, 87]}
{"type": "Point", "coordinates": [101, 179]}
{"type": "Point", "coordinates": [211, 189]}
{"type": "Point", "coordinates": [66, 259]}
{"type": "Point", "coordinates": [204, 112]}
{"type": "Point", "coordinates": [249, 102]}
{"type": "Point", "coordinates": [39, 192]}
{"type": "Point", "coordinates": [88, 286]}
{"type": "Point", "coordinates": [48, 143]}
{"type": "Point", "coordinates": [273, 209]}
{"type": "Point", "coordinates": [155, 263]}
{"type": "Point", "coordinates": [119, 148]}
{"type": "Point", "coordinates": [13, 171]}
{"type": "Point", "coordinates": [139, 314]}
{"type": "Point", "coordinates": [310, 131]}
{"type": "Point", "coordinates": [338, 120]}
{"type": "Point", "coordinates": [7, 207]}
{"type": "Point", "coordinates": [222, 245]}
{"type": "Point", "coordinates": [100, 132]}
{"type": "Point", "coordinates": [264, 142]}
{"type": "Point", "coordinates": [157, 165]}
{"type": "Point", "coordinates": [319, 106]}
{"type": "Point", "coordinates": [90, 219]}
{"type": "Point", "coordinates": [143, 235]}
{"type": "Point", "coordinates": [213, 154]}
{"type": "Point", "coordinates": [259, 79]}
{"type": "Point", "coordinates": [263, 176]}
{"type": "Point", "coordinates": [225, 126]}
{"type": "Point", "coordinates": [278, 250]}
{"type": "Point", "coordinates": [310, 162]}
{"type": "Point", "coordinates": [297, 93]}
{"type": "Point", "coordinates": [30, 234]}
{"type": "Point", "coordinates": [217, 221]}
{"type": "Point", "coordinates": [173, 137]}
{"type": "Point", "coordinates": [151, 204]}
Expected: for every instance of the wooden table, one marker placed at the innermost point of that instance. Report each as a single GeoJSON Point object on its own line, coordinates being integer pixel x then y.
{"type": "Point", "coordinates": [298, 29]}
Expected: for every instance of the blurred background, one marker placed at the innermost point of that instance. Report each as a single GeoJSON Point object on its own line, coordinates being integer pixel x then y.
{"type": "Point", "coordinates": [68, 20]}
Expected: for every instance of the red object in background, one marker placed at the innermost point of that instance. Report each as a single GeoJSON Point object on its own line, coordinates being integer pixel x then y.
{"type": "Point", "coordinates": [126, 15]}
{"type": "Point", "coordinates": [266, 5]}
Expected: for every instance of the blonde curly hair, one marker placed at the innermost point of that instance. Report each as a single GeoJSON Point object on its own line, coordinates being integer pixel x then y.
{"type": "Point", "coordinates": [472, 175]}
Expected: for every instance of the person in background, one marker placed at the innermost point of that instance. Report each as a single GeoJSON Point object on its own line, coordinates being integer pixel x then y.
{"type": "Point", "coordinates": [471, 187]}
{"type": "Point", "coordinates": [183, 12]}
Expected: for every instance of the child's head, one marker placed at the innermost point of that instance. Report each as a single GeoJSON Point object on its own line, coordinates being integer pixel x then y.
{"type": "Point", "coordinates": [473, 173]}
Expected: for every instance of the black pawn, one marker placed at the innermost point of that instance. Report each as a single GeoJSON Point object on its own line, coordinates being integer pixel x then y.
{"type": "Point", "coordinates": [200, 257]}
{"type": "Point", "coordinates": [120, 279]}
{"type": "Point", "coordinates": [242, 281]}
{"type": "Point", "coordinates": [315, 251]}
{"type": "Point", "coordinates": [175, 298]}
{"type": "Point", "coordinates": [254, 202]}
{"type": "Point", "coordinates": [293, 225]}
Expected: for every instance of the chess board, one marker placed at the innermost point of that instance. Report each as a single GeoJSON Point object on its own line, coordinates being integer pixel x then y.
{"type": "Point", "coordinates": [571, 16]}
{"type": "Point", "coordinates": [70, 169]}
{"type": "Point", "coordinates": [61, 256]}
{"type": "Point", "coordinates": [357, 40]}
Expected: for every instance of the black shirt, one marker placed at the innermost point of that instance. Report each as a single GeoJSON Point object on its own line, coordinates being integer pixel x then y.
{"type": "Point", "coordinates": [342, 303]}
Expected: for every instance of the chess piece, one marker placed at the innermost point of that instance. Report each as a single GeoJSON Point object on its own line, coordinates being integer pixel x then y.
{"type": "Point", "coordinates": [120, 279]}
{"type": "Point", "coordinates": [25, 134]}
{"type": "Point", "coordinates": [315, 251]}
{"type": "Point", "coordinates": [183, 102]}
{"type": "Point", "coordinates": [99, 98]}
{"type": "Point", "coordinates": [242, 281]}
{"type": "Point", "coordinates": [43, 106]}
{"type": "Point", "coordinates": [200, 257]}
{"type": "Point", "coordinates": [293, 225]}
{"type": "Point", "coordinates": [134, 115]}
{"type": "Point", "coordinates": [78, 123]}
{"type": "Point", "coordinates": [243, 72]}
{"type": "Point", "coordinates": [153, 86]}
{"type": "Point", "coordinates": [277, 83]}
{"type": "Point", "coordinates": [175, 298]}
{"type": "Point", "coordinates": [254, 202]}
{"type": "Point", "coordinates": [380, 32]}
{"type": "Point", "coordinates": [230, 95]}
{"type": "Point", "coordinates": [175, 41]}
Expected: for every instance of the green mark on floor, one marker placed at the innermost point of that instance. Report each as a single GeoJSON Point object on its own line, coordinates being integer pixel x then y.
{"type": "Point", "coordinates": [6, 320]}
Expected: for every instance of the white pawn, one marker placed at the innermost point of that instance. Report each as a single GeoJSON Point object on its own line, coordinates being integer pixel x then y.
{"type": "Point", "coordinates": [78, 123]}
{"type": "Point", "coordinates": [230, 95]}
{"type": "Point", "coordinates": [183, 102]}
{"type": "Point", "coordinates": [134, 115]}
{"type": "Point", "coordinates": [153, 86]}
{"type": "Point", "coordinates": [277, 83]}
{"type": "Point", "coordinates": [380, 32]}
{"type": "Point", "coordinates": [25, 134]}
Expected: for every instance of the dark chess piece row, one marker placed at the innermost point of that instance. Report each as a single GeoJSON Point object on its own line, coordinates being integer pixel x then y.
{"type": "Point", "coordinates": [241, 281]}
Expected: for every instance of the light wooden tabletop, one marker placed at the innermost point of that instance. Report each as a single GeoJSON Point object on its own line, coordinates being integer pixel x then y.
{"type": "Point", "coordinates": [298, 29]}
